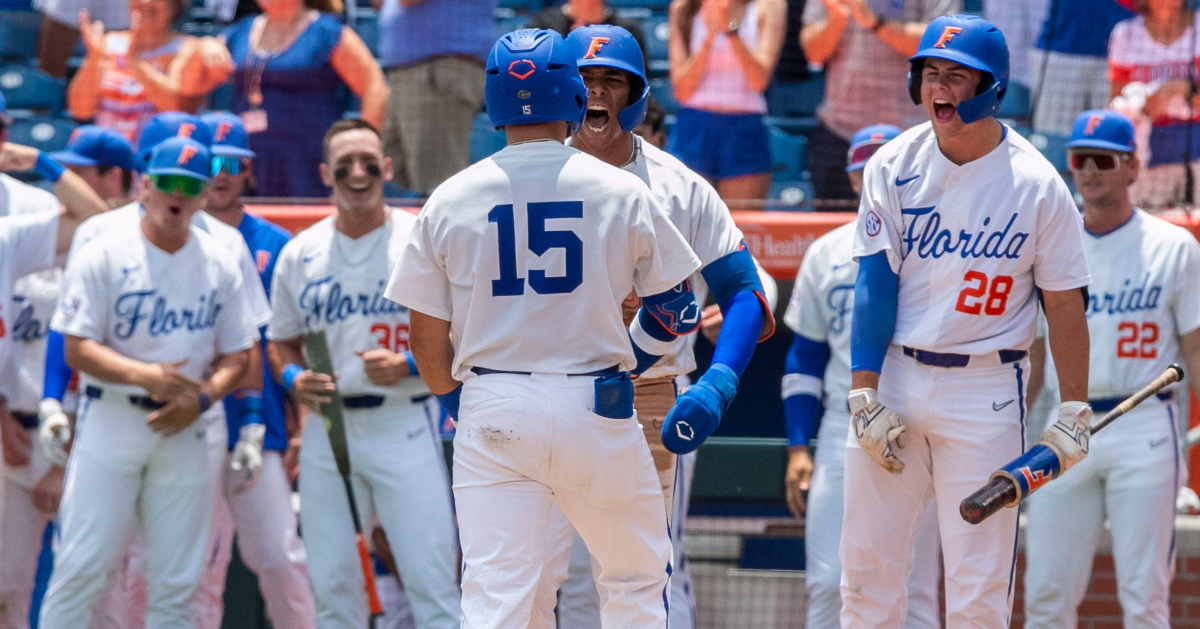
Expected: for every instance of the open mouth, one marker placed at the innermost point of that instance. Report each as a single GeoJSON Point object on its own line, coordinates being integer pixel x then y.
{"type": "Point", "coordinates": [943, 111]}
{"type": "Point", "coordinates": [597, 119]}
{"type": "Point", "coordinates": [175, 210]}
{"type": "Point", "coordinates": [358, 186]}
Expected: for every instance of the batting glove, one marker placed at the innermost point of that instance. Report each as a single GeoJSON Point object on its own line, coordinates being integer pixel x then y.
{"type": "Point", "coordinates": [1069, 436]}
{"type": "Point", "coordinates": [876, 429]}
{"type": "Point", "coordinates": [247, 456]}
{"type": "Point", "coordinates": [54, 431]}
{"type": "Point", "coordinates": [697, 412]}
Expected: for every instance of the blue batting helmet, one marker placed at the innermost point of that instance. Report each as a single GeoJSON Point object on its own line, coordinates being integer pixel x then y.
{"type": "Point", "coordinates": [607, 46]}
{"type": "Point", "coordinates": [973, 42]}
{"type": "Point", "coordinates": [169, 124]}
{"type": "Point", "coordinates": [532, 77]}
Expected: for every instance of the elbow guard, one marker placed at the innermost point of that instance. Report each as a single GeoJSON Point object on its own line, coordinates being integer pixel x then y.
{"type": "Point", "coordinates": [876, 295]}
{"type": "Point", "coordinates": [674, 311]}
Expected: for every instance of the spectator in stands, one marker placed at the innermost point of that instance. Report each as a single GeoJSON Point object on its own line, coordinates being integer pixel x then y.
{"type": "Point", "coordinates": [128, 76]}
{"type": "Point", "coordinates": [572, 14]}
{"type": "Point", "coordinates": [59, 33]}
{"type": "Point", "coordinates": [1068, 68]}
{"type": "Point", "coordinates": [1152, 66]}
{"type": "Point", "coordinates": [723, 55]}
{"type": "Point", "coordinates": [864, 46]}
{"type": "Point", "coordinates": [291, 62]}
{"type": "Point", "coordinates": [433, 52]}
{"type": "Point", "coordinates": [104, 160]}
{"type": "Point", "coordinates": [651, 128]}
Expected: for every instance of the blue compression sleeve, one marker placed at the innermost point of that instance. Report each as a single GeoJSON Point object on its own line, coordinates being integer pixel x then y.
{"type": "Point", "coordinates": [58, 374]}
{"type": "Point", "coordinates": [804, 371]}
{"type": "Point", "coordinates": [876, 295]}
{"type": "Point", "coordinates": [739, 332]}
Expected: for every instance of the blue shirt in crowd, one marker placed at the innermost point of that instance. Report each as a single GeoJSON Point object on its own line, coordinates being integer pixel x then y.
{"type": "Point", "coordinates": [435, 28]}
{"type": "Point", "coordinates": [1080, 27]}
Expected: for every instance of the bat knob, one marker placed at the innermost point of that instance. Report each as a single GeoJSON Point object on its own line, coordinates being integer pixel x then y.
{"type": "Point", "coordinates": [1178, 369]}
{"type": "Point", "coordinates": [971, 511]}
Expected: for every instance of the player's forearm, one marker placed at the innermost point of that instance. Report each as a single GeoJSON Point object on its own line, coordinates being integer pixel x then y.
{"type": "Point", "coordinates": [429, 341]}
{"type": "Point", "coordinates": [252, 376]}
{"type": "Point", "coordinates": [1068, 342]}
{"type": "Point", "coordinates": [228, 370]}
{"type": "Point", "coordinates": [80, 203]}
{"type": "Point", "coordinates": [280, 354]}
{"type": "Point", "coordinates": [1037, 370]}
{"type": "Point", "coordinates": [820, 39]}
{"type": "Point", "coordinates": [1189, 346]}
{"type": "Point", "coordinates": [803, 386]}
{"type": "Point", "coordinates": [876, 295]}
{"type": "Point", "coordinates": [104, 363]}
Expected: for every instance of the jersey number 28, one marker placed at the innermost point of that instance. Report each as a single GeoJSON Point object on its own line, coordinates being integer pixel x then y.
{"type": "Point", "coordinates": [541, 240]}
{"type": "Point", "coordinates": [977, 297]}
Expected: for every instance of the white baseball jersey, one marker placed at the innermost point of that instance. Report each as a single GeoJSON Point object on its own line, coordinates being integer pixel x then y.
{"type": "Point", "coordinates": [697, 211]}
{"type": "Point", "coordinates": [325, 280]}
{"type": "Point", "coordinates": [125, 219]}
{"type": "Point", "coordinates": [154, 306]}
{"type": "Point", "coordinates": [27, 244]}
{"type": "Point", "coordinates": [529, 254]}
{"type": "Point", "coordinates": [820, 309]}
{"type": "Point", "coordinates": [21, 198]}
{"type": "Point", "coordinates": [970, 243]}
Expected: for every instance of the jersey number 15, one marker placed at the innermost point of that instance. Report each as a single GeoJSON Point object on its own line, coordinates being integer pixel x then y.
{"type": "Point", "coordinates": [541, 240]}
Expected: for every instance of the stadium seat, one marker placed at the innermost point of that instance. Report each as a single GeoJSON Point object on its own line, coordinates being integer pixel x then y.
{"type": "Point", "coordinates": [799, 99]}
{"type": "Point", "coordinates": [787, 153]}
{"type": "Point", "coordinates": [484, 139]}
{"type": "Point", "coordinates": [790, 195]}
{"type": "Point", "coordinates": [26, 87]}
{"type": "Point", "coordinates": [1053, 146]}
{"type": "Point", "coordinates": [653, 5]}
{"type": "Point", "coordinates": [366, 24]}
{"type": "Point", "coordinates": [522, 5]}
{"type": "Point", "coordinates": [665, 95]}
{"type": "Point", "coordinates": [18, 35]}
{"type": "Point", "coordinates": [42, 132]}
{"type": "Point", "coordinates": [221, 99]}
{"type": "Point", "coordinates": [1015, 105]}
{"type": "Point", "coordinates": [508, 21]}
{"type": "Point", "coordinates": [657, 31]}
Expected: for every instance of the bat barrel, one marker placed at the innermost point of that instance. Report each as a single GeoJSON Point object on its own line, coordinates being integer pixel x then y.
{"type": "Point", "coordinates": [987, 500]}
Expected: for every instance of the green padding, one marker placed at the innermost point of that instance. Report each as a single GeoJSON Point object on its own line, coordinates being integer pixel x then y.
{"type": "Point", "coordinates": [729, 469]}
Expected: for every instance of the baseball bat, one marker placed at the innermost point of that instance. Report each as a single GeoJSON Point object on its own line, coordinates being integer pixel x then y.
{"type": "Point", "coordinates": [1024, 475]}
{"type": "Point", "coordinates": [320, 361]}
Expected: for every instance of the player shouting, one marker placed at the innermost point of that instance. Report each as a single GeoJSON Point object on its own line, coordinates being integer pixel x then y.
{"type": "Point", "coordinates": [526, 257]}
{"type": "Point", "coordinates": [962, 223]}
{"type": "Point", "coordinates": [1143, 315]}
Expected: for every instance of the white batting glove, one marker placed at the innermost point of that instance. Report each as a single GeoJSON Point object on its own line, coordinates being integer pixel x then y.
{"type": "Point", "coordinates": [876, 429]}
{"type": "Point", "coordinates": [247, 456]}
{"type": "Point", "coordinates": [1069, 436]}
{"type": "Point", "coordinates": [54, 431]}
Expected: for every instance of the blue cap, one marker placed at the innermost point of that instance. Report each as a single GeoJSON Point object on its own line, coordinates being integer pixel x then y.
{"type": "Point", "coordinates": [1103, 129]}
{"type": "Point", "coordinates": [169, 124]}
{"type": "Point", "coordinates": [91, 145]}
{"type": "Point", "coordinates": [871, 137]}
{"type": "Point", "coordinates": [4, 116]}
{"type": "Point", "coordinates": [180, 156]}
{"type": "Point", "coordinates": [229, 135]}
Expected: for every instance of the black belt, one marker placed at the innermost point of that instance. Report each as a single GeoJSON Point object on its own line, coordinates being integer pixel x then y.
{"type": "Point", "coordinates": [607, 371]}
{"type": "Point", "coordinates": [363, 401]}
{"type": "Point", "coordinates": [941, 359]}
{"type": "Point", "coordinates": [142, 401]}
{"type": "Point", "coordinates": [1106, 404]}
{"type": "Point", "coordinates": [27, 420]}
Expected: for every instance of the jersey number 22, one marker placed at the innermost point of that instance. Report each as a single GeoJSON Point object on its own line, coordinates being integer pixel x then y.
{"type": "Point", "coordinates": [541, 240]}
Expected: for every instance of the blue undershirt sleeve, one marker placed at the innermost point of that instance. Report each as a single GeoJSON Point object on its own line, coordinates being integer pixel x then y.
{"type": "Point", "coordinates": [876, 295]}
{"type": "Point", "coordinates": [804, 372]}
{"type": "Point", "coordinates": [739, 332]}
{"type": "Point", "coordinates": [58, 375]}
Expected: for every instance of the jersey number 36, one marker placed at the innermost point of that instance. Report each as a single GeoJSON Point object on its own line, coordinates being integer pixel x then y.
{"type": "Point", "coordinates": [541, 240]}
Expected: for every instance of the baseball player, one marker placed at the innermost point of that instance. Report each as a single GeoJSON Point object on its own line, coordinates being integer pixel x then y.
{"type": "Point", "coordinates": [155, 321]}
{"type": "Point", "coordinates": [31, 486]}
{"type": "Point", "coordinates": [815, 384]}
{"type": "Point", "coordinates": [520, 327]}
{"type": "Point", "coordinates": [1143, 315]}
{"type": "Point", "coordinates": [331, 277]}
{"type": "Point", "coordinates": [611, 64]}
{"type": "Point", "coordinates": [253, 493]}
{"type": "Point", "coordinates": [961, 224]}
{"type": "Point", "coordinates": [104, 159]}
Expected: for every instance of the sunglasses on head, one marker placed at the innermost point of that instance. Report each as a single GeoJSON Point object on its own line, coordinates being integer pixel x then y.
{"type": "Point", "coordinates": [862, 153]}
{"type": "Point", "coordinates": [1104, 162]}
{"type": "Point", "coordinates": [189, 187]}
{"type": "Point", "coordinates": [231, 165]}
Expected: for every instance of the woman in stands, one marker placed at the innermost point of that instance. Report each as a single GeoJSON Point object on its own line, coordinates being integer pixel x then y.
{"type": "Point", "coordinates": [723, 54]}
{"type": "Point", "coordinates": [128, 76]}
{"type": "Point", "coordinates": [1152, 60]}
{"type": "Point", "coordinates": [291, 63]}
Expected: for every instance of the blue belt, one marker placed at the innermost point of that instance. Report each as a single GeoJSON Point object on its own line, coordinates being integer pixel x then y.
{"type": "Point", "coordinates": [1106, 404]}
{"type": "Point", "coordinates": [941, 359]}
{"type": "Point", "coordinates": [27, 420]}
{"type": "Point", "coordinates": [375, 401]}
{"type": "Point", "coordinates": [607, 371]}
{"type": "Point", "coordinates": [142, 401]}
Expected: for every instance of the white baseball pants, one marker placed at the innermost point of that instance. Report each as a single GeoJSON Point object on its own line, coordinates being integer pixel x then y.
{"type": "Point", "coordinates": [21, 528]}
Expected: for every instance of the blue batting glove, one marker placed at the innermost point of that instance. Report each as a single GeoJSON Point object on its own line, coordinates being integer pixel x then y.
{"type": "Point", "coordinates": [697, 412]}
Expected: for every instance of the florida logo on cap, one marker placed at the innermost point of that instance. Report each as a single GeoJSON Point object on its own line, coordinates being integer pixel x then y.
{"type": "Point", "coordinates": [223, 129]}
{"type": "Point", "coordinates": [185, 130]}
{"type": "Point", "coordinates": [521, 75]}
{"type": "Point", "coordinates": [596, 45]}
{"type": "Point", "coordinates": [1092, 124]}
{"type": "Point", "coordinates": [947, 35]}
{"type": "Point", "coordinates": [186, 153]}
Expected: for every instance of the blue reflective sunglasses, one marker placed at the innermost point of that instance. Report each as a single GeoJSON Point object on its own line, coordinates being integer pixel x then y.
{"type": "Point", "coordinates": [231, 165]}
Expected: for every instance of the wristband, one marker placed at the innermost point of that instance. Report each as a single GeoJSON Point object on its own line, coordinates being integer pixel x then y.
{"type": "Point", "coordinates": [49, 169]}
{"type": "Point", "coordinates": [289, 376]}
{"type": "Point", "coordinates": [449, 401]}
{"type": "Point", "coordinates": [249, 406]}
{"type": "Point", "coordinates": [412, 364]}
{"type": "Point", "coordinates": [205, 403]}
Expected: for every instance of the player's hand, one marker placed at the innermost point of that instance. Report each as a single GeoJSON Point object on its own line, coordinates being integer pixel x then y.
{"type": "Point", "coordinates": [697, 412]}
{"type": "Point", "coordinates": [629, 308]}
{"type": "Point", "coordinates": [291, 459]}
{"type": "Point", "coordinates": [247, 456]}
{"type": "Point", "coordinates": [175, 417]}
{"type": "Point", "coordinates": [47, 493]}
{"type": "Point", "coordinates": [54, 431]}
{"type": "Point", "coordinates": [92, 34]}
{"type": "Point", "coordinates": [797, 479]}
{"type": "Point", "coordinates": [313, 389]}
{"type": "Point", "coordinates": [16, 442]}
{"type": "Point", "coordinates": [164, 383]}
{"type": "Point", "coordinates": [17, 158]}
{"type": "Point", "coordinates": [877, 429]}
{"type": "Point", "coordinates": [711, 319]}
{"type": "Point", "coordinates": [383, 367]}
{"type": "Point", "coordinates": [1069, 436]}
